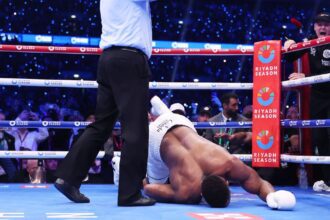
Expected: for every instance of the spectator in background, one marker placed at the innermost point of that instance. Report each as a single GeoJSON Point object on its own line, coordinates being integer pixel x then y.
{"type": "Point", "coordinates": [248, 112]}
{"type": "Point", "coordinates": [7, 142]}
{"type": "Point", "coordinates": [77, 132]}
{"type": "Point", "coordinates": [26, 139]}
{"type": "Point", "coordinates": [58, 139]}
{"type": "Point", "coordinates": [32, 171]}
{"type": "Point", "coordinates": [291, 135]}
{"type": "Point", "coordinates": [50, 165]}
{"type": "Point", "coordinates": [233, 139]}
{"type": "Point", "coordinates": [203, 116]}
{"type": "Point", "coordinates": [319, 60]}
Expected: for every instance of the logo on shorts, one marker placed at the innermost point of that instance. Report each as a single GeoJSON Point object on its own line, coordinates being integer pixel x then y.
{"type": "Point", "coordinates": [265, 140]}
{"type": "Point", "coordinates": [265, 96]}
{"type": "Point", "coordinates": [44, 123]}
{"type": "Point", "coordinates": [266, 54]}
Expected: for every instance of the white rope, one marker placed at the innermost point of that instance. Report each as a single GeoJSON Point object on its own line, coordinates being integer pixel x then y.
{"type": "Point", "coordinates": [48, 83]}
{"type": "Point", "coordinates": [243, 157]}
{"type": "Point", "coordinates": [307, 80]}
{"type": "Point", "coordinates": [160, 85]}
{"type": "Point", "coordinates": [93, 84]}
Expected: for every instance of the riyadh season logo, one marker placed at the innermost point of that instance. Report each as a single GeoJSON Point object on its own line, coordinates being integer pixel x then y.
{"type": "Point", "coordinates": [265, 140]}
{"type": "Point", "coordinates": [265, 96]}
{"type": "Point", "coordinates": [266, 54]}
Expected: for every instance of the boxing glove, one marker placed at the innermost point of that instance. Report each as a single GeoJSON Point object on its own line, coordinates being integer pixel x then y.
{"type": "Point", "coordinates": [282, 200]}
{"type": "Point", "coordinates": [115, 162]}
{"type": "Point", "coordinates": [158, 106]}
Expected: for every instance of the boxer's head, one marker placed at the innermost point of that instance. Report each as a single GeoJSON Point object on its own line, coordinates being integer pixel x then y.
{"type": "Point", "coordinates": [178, 109]}
{"type": "Point", "coordinates": [215, 191]}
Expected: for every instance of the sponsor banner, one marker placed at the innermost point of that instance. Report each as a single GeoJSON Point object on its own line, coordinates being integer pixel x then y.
{"type": "Point", "coordinates": [266, 104]}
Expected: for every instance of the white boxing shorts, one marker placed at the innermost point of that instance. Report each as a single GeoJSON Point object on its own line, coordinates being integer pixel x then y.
{"type": "Point", "coordinates": [157, 171]}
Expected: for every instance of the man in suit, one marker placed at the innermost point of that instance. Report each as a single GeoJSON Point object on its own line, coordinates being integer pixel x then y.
{"type": "Point", "coordinates": [233, 139]}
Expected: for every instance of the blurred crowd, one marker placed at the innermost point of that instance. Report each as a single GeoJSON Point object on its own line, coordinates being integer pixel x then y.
{"type": "Point", "coordinates": [235, 21]}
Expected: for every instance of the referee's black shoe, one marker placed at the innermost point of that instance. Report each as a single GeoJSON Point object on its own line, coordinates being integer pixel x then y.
{"type": "Point", "coordinates": [71, 192]}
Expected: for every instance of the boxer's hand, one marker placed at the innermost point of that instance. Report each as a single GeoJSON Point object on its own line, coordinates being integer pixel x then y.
{"type": "Point", "coordinates": [288, 44]}
{"type": "Point", "coordinates": [294, 76]}
{"type": "Point", "coordinates": [282, 200]}
{"type": "Point", "coordinates": [158, 106]}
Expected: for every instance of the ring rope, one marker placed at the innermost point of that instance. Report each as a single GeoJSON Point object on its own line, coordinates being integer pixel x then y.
{"type": "Point", "coordinates": [318, 123]}
{"type": "Point", "coordinates": [156, 51]}
{"type": "Point", "coordinates": [243, 157]}
{"type": "Point", "coordinates": [160, 85]}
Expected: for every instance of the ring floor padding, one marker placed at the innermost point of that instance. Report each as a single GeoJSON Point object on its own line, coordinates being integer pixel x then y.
{"type": "Point", "coordinates": [27, 201]}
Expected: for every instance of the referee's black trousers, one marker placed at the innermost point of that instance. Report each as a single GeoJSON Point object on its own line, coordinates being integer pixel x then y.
{"type": "Point", "coordinates": [123, 93]}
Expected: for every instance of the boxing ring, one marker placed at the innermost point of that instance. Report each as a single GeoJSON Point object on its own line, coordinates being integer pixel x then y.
{"type": "Point", "coordinates": [42, 201]}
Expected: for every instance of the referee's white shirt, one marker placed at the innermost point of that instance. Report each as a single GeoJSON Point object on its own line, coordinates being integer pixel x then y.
{"type": "Point", "coordinates": [126, 23]}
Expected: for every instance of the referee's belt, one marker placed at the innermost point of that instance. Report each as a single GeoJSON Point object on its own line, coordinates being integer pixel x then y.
{"type": "Point", "coordinates": [124, 48]}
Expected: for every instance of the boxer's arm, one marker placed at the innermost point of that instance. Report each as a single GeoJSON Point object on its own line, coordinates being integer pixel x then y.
{"type": "Point", "coordinates": [160, 192]}
{"type": "Point", "coordinates": [249, 179]}
{"type": "Point", "coordinates": [166, 193]}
